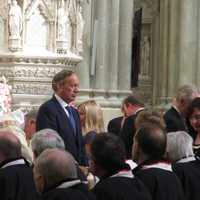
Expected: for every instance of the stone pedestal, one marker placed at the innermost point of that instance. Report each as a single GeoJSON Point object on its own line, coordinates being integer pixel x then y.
{"type": "Point", "coordinates": [30, 75]}
{"type": "Point", "coordinates": [61, 46]}
{"type": "Point", "coordinates": [14, 44]}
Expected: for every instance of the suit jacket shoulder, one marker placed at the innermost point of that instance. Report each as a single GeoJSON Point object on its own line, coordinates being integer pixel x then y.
{"type": "Point", "coordinates": [16, 183]}
{"type": "Point", "coordinates": [189, 175]}
{"type": "Point", "coordinates": [78, 192]}
{"type": "Point", "coordinates": [174, 121]}
{"type": "Point", "coordinates": [114, 125]}
{"type": "Point", "coordinates": [114, 188]}
{"type": "Point", "coordinates": [162, 184]}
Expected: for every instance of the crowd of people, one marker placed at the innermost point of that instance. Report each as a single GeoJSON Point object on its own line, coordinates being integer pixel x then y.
{"type": "Point", "coordinates": [64, 152]}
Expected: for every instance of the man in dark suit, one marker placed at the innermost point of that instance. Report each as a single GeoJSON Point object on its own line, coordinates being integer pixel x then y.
{"type": "Point", "coordinates": [57, 113]}
{"type": "Point", "coordinates": [116, 179]}
{"type": "Point", "coordinates": [56, 178]}
{"type": "Point", "coordinates": [16, 178]}
{"type": "Point", "coordinates": [176, 117]}
{"type": "Point", "coordinates": [115, 124]}
{"type": "Point", "coordinates": [127, 108]}
{"type": "Point", "coordinates": [132, 106]}
{"type": "Point", "coordinates": [148, 151]}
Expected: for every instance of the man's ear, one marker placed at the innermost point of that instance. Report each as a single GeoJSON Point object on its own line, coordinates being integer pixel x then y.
{"type": "Point", "coordinates": [136, 152]}
{"type": "Point", "coordinates": [182, 101]}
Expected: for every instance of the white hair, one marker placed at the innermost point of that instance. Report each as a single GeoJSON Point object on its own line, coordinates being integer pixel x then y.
{"type": "Point", "coordinates": [46, 139]}
{"type": "Point", "coordinates": [179, 145]}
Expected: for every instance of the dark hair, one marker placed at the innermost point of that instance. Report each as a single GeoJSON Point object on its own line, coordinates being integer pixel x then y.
{"type": "Point", "coordinates": [60, 77]}
{"type": "Point", "coordinates": [152, 140]}
{"type": "Point", "coordinates": [133, 100]}
{"type": "Point", "coordinates": [31, 115]}
{"type": "Point", "coordinates": [108, 152]}
{"type": "Point", "coordinates": [194, 104]}
{"type": "Point", "coordinates": [10, 148]}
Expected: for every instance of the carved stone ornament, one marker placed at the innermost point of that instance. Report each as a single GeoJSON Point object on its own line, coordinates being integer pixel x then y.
{"type": "Point", "coordinates": [37, 43]}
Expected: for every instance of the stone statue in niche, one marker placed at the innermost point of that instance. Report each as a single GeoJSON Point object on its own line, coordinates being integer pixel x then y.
{"type": "Point", "coordinates": [14, 26]}
{"type": "Point", "coordinates": [80, 26]}
{"type": "Point", "coordinates": [62, 21]}
{"type": "Point", "coordinates": [145, 56]}
{"type": "Point", "coordinates": [63, 29]}
{"type": "Point", "coordinates": [77, 24]}
{"type": "Point", "coordinates": [15, 20]}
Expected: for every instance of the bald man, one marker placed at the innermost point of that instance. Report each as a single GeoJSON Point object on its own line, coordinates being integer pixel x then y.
{"type": "Point", "coordinates": [60, 181]}
{"type": "Point", "coordinates": [16, 178]}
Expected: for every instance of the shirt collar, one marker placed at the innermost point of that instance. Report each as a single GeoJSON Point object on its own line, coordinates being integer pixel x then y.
{"type": "Point", "coordinates": [139, 109]}
{"type": "Point", "coordinates": [176, 109]}
{"type": "Point", "coordinates": [160, 164]}
{"type": "Point", "coordinates": [68, 184]}
{"type": "Point", "coordinates": [124, 173]}
{"type": "Point", "coordinates": [188, 159]}
{"type": "Point", "coordinates": [14, 162]}
{"type": "Point", "coordinates": [61, 101]}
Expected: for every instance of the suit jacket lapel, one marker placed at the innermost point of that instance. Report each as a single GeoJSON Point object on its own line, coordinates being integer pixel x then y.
{"type": "Point", "coordinates": [63, 115]}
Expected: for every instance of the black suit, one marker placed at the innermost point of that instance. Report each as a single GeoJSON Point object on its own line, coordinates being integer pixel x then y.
{"type": "Point", "coordinates": [162, 184]}
{"type": "Point", "coordinates": [121, 188]}
{"type": "Point", "coordinates": [76, 192]}
{"type": "Point", "coordinates": [114, 125]}
{"type": "Point", "coordinates": [16, 182]}
{"type": "Point", "coordinates": [174, 121]}
{"type": "Point", "coordinates": [189, 174]}
{"type": "Point", "coordinates": [52, 115]}
{"type": "Point", "coordinates": [127, 133]}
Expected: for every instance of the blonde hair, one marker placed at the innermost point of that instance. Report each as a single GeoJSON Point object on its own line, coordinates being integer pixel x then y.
{"type": "Point", "coordinates": [93, 116]}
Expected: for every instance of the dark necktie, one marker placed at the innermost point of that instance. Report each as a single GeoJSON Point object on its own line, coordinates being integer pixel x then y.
{"type": "Point", "coordinates": [71, 118]}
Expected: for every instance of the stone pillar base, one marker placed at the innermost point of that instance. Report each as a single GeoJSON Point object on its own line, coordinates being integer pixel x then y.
{"type": "Point", "coordinates": [14, 44]}
{"type": "Point", "coordinates": [61, 46]}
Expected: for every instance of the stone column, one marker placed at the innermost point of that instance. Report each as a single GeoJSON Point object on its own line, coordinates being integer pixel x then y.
{"type": "Point", "coordinates": [188, 41]}
{"type": "Point", "coordinates": [102, 46]}
{"type": "Point", "coordinates": [125, 44]}
{"type": "Point", "coordinates": [173, 46]}
{"type": "Point", "coordinates": [197, 80]}
{"type": "Point", "coordinates": [155, 58]}
{"type": "Point", "coordinates": [163, 55]}
{"type": "Point", "coordinates": [114, 39]}
{"type": "Point", "coordinates": [83, 69]}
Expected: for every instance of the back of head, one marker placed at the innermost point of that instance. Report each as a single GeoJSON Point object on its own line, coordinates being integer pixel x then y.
{"type": "Point", "coordinates": [195, 104]}
{"type": "Point", "coordinates": [60, 77]}
{"type": "Point", "coordinates": [31, 115]}
{"type": "Point", "coordinates": [186, 92]}
{"type": "Point", "coordinates": [108, 152]}
{"type": "Point", "coordinates": [55, 166]}
{"type": "Point", "coordinates": [19, 133]}
{"type": "Point", "coordinates": [93, 116]}
{"type": "Point", "coordinates": [179, 145]}
{"type": "Point", "coordinates": [10, 147]}
{"type": "Point", "coordinates": [46, 139]}
{"type": "Point", "coordinates": [151, 140]}
{"type": "Point", "coordinates": [30, 124]}
{"type": "Point", "coordinates": [131, 99]}
{"type": "Point", "coordinates": [151, 117]}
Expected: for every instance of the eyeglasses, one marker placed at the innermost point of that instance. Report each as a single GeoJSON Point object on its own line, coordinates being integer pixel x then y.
{"type": "Point", "coordinates": [195, 117]}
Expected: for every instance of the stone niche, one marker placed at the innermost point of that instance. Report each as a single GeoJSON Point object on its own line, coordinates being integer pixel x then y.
{"type": "Point", "coordinates": [36, 42]}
